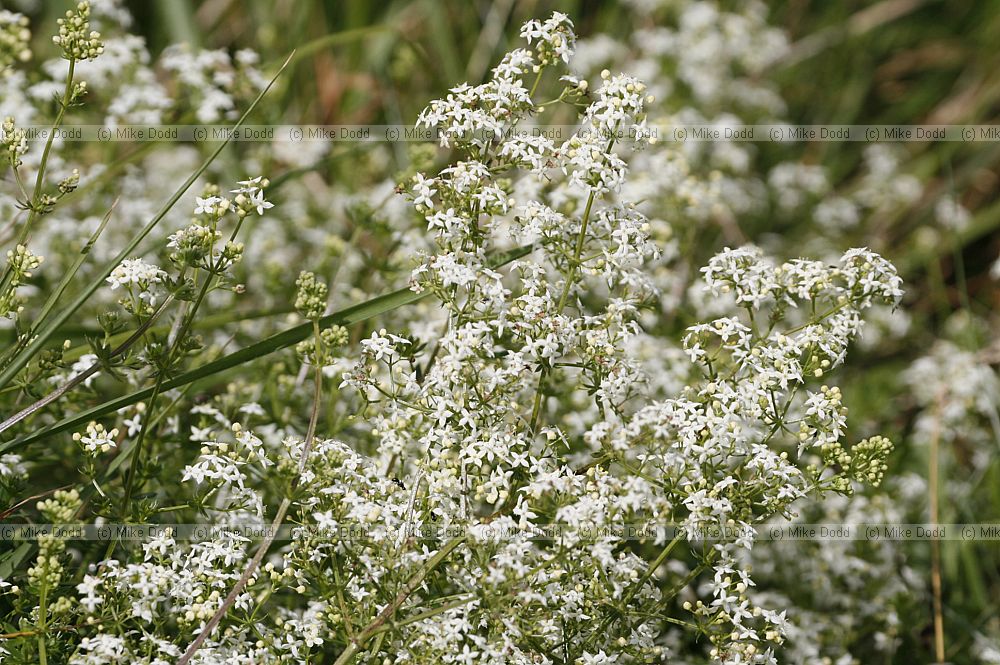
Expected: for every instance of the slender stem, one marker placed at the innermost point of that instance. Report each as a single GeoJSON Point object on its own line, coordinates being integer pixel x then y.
{"type": "Point", "coordinates": [68, 277]}
{"type": "Point", "coordinates": [933, 474]}
{"type": "Point", "coordinates": [21, 359]}
{"type": "Point", "coordinates": [133, 469]}
{"type": "Point", "coordinates": [174, 344]}
{"type": "Point", "coordinates": [538, 78]}
{"type": "Point", "coordinates": [536, 408]}
{"type": "Point", "coordinates": [427, 614]}
{"type": "Point", "coordinates": [42, 612]}
{"type": "Point", "coordinates": [577, 252]}
{"type": "Point", "coordinates": [36, 195]}
{"type": "Point", "coordinates": [652, 567]}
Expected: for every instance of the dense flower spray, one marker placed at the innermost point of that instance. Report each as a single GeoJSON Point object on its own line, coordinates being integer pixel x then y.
{"type": "Point", "coordinates": [520, 442]}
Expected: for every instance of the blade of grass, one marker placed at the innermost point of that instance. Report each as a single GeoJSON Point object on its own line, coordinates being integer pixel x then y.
{"type": "Point", "coordinates": [178, 17]}
{"type": "Point", "coordinates": [210, 322]}
{"type": "Point", "coordinates": [345, 317]}
{"type": "Point", "coordinates": [24, 357]}
{"type": "Point", "coordinates": [444, 40]}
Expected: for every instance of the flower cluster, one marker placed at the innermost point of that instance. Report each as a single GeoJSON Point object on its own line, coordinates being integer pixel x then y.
{"type": "Point", "coordinates": [20, 264]}
{"type": "Point", "coordinates": [213, 79]}
{"type": "Point", "coordinates": [13, 141]}
{"type": "Point", "coordinates": [310, 299]}
{"type": "Point", "coordinates": [14, 38]}
{"type": "Point", "coordinates": [197, 246]}
{"type": "Point", "coordinates": [553, 39]}
{"type": "Point", "coordinates": [139, 279]}
{"type": "Point", "coordinates": [480, 426]}
{"type": "Point", "coordinates": [97, 439]}
{"type": "Point", "coordinates": [467, 481]}
{"type": "Point", "coordinates": [77, 40]}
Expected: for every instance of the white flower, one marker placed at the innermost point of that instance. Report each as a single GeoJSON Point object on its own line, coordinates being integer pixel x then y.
{"type": "Point", "coordinates": [96, 439]}
{"type": "Point", "coordinates": [88, 589]}
{"type": "Point", "coordinates": [552, 37]}
{"type": "Point", "coordinates": [257, 201]}
{"type": "Point", "coordinates": [206, 206]}
{"type": "Point", "coordinates": [11, 466]}
{"type": "Point", "coordinates": [135, 272]}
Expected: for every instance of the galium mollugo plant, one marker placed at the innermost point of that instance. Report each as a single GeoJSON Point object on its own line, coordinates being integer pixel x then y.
{"type": "Point", "coordinates": [487, 483]}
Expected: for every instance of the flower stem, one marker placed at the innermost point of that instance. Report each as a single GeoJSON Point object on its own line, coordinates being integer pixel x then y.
{"type": "Point", "coordinates": [42, 618]}
{"type": "Point", "coordinates": [36, 194]}
{"type": "Point", "coordinates": [536, 407]}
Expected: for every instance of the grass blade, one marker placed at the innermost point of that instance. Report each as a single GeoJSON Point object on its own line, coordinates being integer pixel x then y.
{"type": "Point", "coordinates": [286, 338]}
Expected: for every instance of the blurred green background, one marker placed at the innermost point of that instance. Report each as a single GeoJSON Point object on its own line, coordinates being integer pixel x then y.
{"type": "Point", "coordinates": [886, 62]}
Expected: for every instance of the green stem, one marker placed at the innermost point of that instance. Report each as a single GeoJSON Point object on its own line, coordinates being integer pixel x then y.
{"type": "Point", "coordinates": [42, 618]}
{"type": "Point", "coordinates": [536, 408]}
{"type": "Point", "coordinates": [172, 351]}
{"type": "Point", "coordinates": [577, 252]}
{"type": "Point", "coordinates": [84, 375]}
{"type": "Point", "coordinates": [650, 569]}
{"type": "Point", "coordinates": [25, 356]}
{"type": "Point", "coordinates": [538, 78]}
{"type": "Point", "coordinates": [346, 317]}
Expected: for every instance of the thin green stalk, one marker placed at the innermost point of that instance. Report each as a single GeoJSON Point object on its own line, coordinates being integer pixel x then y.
{"type": "Point", "coordinates": [651, 568]}
{"type": "Point", "coordinates": [42, 618]}
{"type": "Point", "coordinates": [427, 614]}
{"type": "Point", "coordinates": [209, 322]}
{"type": "Point", "coordinates": [61, 288]}
{"type": "Point", "coordinates": [411, 585]}
{"type": "Point", "coordinates": [84, 375]}
{"type": "Point", "coordinates": [172, 350]}
{"type": "Point", "coordinates": [634, 589]}
{"type": "Point", "coordinates": [36, 194]}
{"type": "Point", "coordinates": [534, 85]}
{"type": "Point", "coordinates": [577, 252]}
{"type": "Point", "coordinates": [50, 303]}
{"type": "Point", "coordinates": [536, 408]}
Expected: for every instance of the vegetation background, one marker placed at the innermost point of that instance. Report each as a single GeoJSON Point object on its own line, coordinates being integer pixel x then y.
{"type": "Point", "coordinates": [886, 62]}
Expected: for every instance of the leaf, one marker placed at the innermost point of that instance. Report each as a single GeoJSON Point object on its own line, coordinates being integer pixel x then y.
{"type": "Point", "coordinates": [10, 562]}
{"type": "Point", "coordinates": [345, 317]}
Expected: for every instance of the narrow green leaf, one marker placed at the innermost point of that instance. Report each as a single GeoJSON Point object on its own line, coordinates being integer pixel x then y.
{"type": "Point", "coordinates": [60, 288]}
{"type": "Point", "coordinates": [178, 17]}
{"type": "Point", "coordinates": [339, 39]}
{"type": "Point", "coordinates": [12, 561]}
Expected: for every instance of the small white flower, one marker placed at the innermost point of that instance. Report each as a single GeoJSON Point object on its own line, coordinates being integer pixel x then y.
{"type": "Point", "coordinates": [96, 439]}
{"type": "Point", "coordinates": [206, 206]}
{"type": "Point", "coordinates": [135, 272]}
{"type": "Point", "coordinates": [257, 201]}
